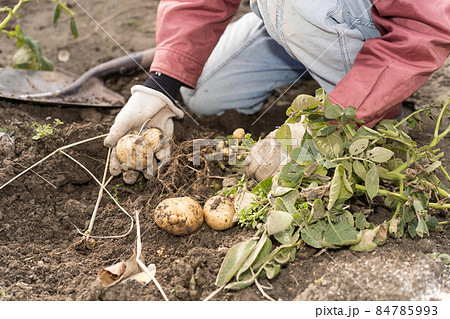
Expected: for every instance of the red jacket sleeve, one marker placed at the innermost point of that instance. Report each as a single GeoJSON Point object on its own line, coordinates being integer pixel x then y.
{"type": "Point", "coordinates": [414, 42]}
{"type": "Point", "coordinates": [186, 33]}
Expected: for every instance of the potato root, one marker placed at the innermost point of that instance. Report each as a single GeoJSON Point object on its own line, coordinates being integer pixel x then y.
{"type": "Point", "coordinates": [179, 216]}
{"type": "Point", "coordinates": [219, 212]}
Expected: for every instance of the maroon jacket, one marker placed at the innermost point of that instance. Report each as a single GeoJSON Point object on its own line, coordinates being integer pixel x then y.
{"type": "Point", "coordinates": [414, 42]}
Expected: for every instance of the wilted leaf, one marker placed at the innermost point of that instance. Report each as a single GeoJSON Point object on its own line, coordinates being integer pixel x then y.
{"type": "Point", "coordinates": [366, 243]}
{"type": "Point", "coordinates": [234, 260]}
{"type": "Point", "coordinates": [277, 221]}
{"type": "Point", "coordinates": [254, 254]}
{"type": "Point", "coordinates": [358, 146]}
{"type": "Point", "coordinates": [422, 228]}
{"type": "Point", "coordinates": [285, 236]}
{"type": "Point", "coordinates": [380, 234]}
{"type": "Point", "coordinates": [112, 275]}
{"type": "Point", "coordinates": [372, 182]}
{"type": "Point", "coordinates": [286, 255]}
{"type": "Point", "coordinates": [272, 269]}
{"type": "Point", "coordinates": [340, 188]}
{"type": "Point", "coordinates": [240, 284]}
{"type": "Point", "coordinates": [379, 154]}
{"type": "Point", "coordinates": [393, 227]}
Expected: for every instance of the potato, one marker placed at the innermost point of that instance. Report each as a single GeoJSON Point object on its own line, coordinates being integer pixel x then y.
{"type": "Point", "coordinates": [219, 212]}
{"type": "Point", "coordinates": [179, 216]}
{"type": "Point", "coordinates": [238, 133]}
{"type": "Point", "coordinates": [133, 150]}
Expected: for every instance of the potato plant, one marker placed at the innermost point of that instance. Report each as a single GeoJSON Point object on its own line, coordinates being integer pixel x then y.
{"type": "Point", "coordinates": [29, 53]}
{"type": "Point", "coordinates": [325, 194]}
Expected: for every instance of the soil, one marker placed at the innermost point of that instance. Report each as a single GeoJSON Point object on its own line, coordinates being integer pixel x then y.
{"type": "Point", "coordinates": [41, 257]}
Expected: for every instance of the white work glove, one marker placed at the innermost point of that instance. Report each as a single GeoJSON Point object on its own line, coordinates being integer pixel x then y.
{"type": "Point", "coordinates": [144, 106]}
{"type": "Point", "coordinates": [267, 157]}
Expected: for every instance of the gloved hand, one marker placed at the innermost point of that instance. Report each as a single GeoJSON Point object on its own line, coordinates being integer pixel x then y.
{"type": "Point", "coordinates": [144, 106]}
{"type": "Point", "coordinates": [267, 157]}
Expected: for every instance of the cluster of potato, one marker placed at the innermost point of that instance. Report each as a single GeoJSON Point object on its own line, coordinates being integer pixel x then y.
{"type": "Point", "coordinates": [183, 215]}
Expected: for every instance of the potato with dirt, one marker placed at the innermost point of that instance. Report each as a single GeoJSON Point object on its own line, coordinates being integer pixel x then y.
{"type": "Point", "coordinates": [179, 216]}
{"type": "Point", "coordinates": [219, 212]}
{"type": "Point", "coordinates": [132, 150]}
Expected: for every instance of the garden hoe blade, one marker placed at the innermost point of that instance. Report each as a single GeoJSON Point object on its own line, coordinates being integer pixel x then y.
{"type": "Point", "coordinates": [45, 87]}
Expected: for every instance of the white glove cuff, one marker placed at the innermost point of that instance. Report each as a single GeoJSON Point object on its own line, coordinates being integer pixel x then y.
{"type": "Point", "coordinates": [141, 88]}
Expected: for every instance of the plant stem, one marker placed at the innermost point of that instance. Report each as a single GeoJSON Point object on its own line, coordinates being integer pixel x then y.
{"type": "Point", "coordinates": [11, 12]}
{"type": "Point", "coordinates": [409, 116]}
{"type": "Point", "coordinates": [403, 197]}
{"type": "Point", "coordinates": [437, 136]}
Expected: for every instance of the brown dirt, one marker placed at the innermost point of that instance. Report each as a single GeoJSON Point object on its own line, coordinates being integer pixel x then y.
{"type": "Point", "coordinates": [39, 255]}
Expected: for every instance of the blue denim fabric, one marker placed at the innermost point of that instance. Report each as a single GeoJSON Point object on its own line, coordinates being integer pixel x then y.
{"type": "Point", "coordinates": [272, 47]}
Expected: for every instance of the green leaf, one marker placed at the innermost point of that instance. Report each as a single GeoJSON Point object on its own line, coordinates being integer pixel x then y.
{"type": "Point", "coordinates": [277, 221]}
{"type": "Point", "coordinates": [361, 222]}
{"type": "Point", "coordinates": [284, 136]}
{"type": "Point", "coordinates": [349, 114]}
{"type": "Point", "coordinates": [365, 132]}
{"type": "Point", "coordinates": [358, 146]}
{"type": "Point", "coordinates": [333, 112]}
{"type": "Point", "coordinates": [372, 182]}
{"type": "Point", "coordinates": [330, 146]}
{"type": "Point", "coordinates": [432, 222]}
{"type": "Point", "coordinates": [317, 118]}
{"type": "Point", "coordinates": [327, 130]}
{"type": "Point", "coordinates": [408, 213]}
{"type": "Point", "coordinates": [291, 174]}
{"type": "Point", "coordinates": [312, 234]}
{"type": "Point", "coordinates": [379, 154]}
{"type": "Point", "coordinates": [57, 13]}
{"type": "Point", "coordinates": [233, 261]}
{"type": "Point", "coordinates": [73, 27]}
{"type": "Point", "coordinates": [302, 102]}
{"type": "Point", "coordinates": [340, 189]}
{"type": "Point", "coordinates": [263, 187]}
{"type": "Point", "coordinates": [318, 210]}
{"type": "Point", "coordinates": [341, 234]}
{"type": "Point", "coordinates": [359, 169]}
{"type": "Point", "coordinates": [412, 226]}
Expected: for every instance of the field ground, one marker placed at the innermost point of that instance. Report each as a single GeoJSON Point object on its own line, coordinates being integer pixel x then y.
{"type": "Point", "coordinates": [39, 255]}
